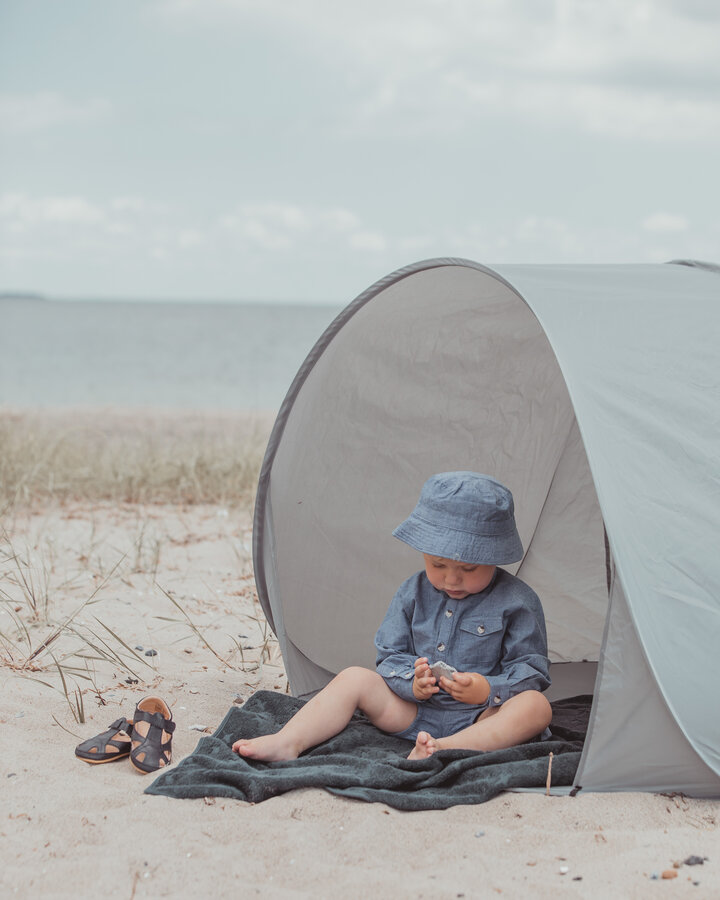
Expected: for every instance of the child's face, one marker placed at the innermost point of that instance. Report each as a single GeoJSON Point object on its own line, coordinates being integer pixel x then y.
{"type": "Point", "coordinates": [457, 579]}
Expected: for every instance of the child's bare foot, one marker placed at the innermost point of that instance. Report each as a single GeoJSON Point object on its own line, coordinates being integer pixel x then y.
{"type": "Point", "coordinates": [270, 748]}
{"type": "Point", "coordinates": [425, 745]}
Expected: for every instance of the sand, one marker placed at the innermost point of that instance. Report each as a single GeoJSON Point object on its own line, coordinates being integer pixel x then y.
{"type": "Point", "coordinates": [69, 829]}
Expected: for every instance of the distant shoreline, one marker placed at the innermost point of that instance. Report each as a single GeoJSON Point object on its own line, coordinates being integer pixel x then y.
{"type": "Point", "coordinates": [21, 295]}
{"type": "Point", "coordinates": [274, 303]}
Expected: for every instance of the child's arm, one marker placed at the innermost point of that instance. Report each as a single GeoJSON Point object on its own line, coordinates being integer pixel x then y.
{"type": "Point", "coordinates": [523, 663]}
{"type": "Point", "coordinates": [396, 655]}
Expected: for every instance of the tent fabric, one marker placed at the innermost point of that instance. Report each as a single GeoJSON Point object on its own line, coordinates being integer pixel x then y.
{"type": "Point", "coordinates": [592, 392]}
{"type": "Point", "coordinates": [629, 710]}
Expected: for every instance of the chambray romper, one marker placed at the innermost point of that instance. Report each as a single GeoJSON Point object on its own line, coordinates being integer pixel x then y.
{"type": "Point", "coordinates": [498, 632]}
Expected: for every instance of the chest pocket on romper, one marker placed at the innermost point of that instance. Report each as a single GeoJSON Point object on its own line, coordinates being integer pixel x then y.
{"type": "Point", "coordinates": [480, 644]}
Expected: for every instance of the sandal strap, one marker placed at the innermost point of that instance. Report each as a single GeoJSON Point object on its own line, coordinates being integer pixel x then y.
{"type": "Point", "coordinates": [156, 720]}
{"type": "Point", "coordinates": [154, 746]}
{"type": "Point", "coordinates": [110, 736]}
{"type": "Point", "coordinates": [121, 724]}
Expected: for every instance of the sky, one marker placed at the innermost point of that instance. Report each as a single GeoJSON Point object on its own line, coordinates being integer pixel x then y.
{"type": "Point", "coordinates": [299, 150]}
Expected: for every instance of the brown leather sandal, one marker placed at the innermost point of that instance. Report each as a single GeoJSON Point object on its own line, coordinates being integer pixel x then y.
{"type": "Point", "coordinates": [152, 735]}
{"type": "Point", "coordinates": [115, 743]}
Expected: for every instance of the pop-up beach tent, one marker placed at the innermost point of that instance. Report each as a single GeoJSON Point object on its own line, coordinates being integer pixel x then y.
{"type": "Point", "coordinates": [593, 392]}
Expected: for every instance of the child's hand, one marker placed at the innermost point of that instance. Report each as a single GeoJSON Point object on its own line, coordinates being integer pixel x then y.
{"type": "Point", "coordinates": [424, 685]}
{"type": "Point", "coordinates": [467, 687]}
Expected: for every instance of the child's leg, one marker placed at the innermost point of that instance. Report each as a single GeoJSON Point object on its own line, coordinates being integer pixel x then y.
{"type": "Point", "coordinates": [329, 712]}
{"type": "Point", "coordinates": [516, 721]}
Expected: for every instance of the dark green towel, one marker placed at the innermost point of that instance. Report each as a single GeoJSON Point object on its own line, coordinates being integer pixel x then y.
{"type": "Point", "coordinates": [366, 764]}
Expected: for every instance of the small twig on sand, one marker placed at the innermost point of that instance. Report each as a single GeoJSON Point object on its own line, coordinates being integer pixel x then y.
{"type": "Point", "coordinates": [549, 775]}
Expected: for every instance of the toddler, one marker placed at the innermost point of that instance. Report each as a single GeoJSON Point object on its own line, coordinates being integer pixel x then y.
{"type": "Point", "coordinates": [460, 610]}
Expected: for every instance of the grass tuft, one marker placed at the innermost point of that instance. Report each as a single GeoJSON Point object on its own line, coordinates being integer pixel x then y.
{"type": "Point", "coordinates": [130, 457]}
{"type": "Point", "coordinates": [192, 626]}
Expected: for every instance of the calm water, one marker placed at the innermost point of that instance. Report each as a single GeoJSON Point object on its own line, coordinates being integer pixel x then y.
{"type": "Point", "coordinates": [221, 356]}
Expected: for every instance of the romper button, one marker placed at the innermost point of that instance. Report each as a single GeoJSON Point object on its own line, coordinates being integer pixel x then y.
{"type": "Point", "coordinates": [441, 647]}
{"type": "Point", "coordinates": [448, 613]}
{"type": "Point", "coordinates": [496, 699]}
{"type": "Point", "coordinates": [481, 629]}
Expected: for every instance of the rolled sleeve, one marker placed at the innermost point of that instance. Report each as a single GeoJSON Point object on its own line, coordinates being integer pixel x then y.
{"type": "Point", "coordinates": [396, 656]}
{"type": "Point", "coordinates": [397, 675]}
{"type": "Point", "coordinates": [524, 665]}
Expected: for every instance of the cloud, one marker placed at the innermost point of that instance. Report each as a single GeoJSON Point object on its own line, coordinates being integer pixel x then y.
{"type": "Point", "coordinates": [122, 214]}
{"type": "Point", "coordinates": [271, 226]}
{"type": "Point", "coordinates": [607, 110]}
{"type": "Point", "coordinates": [665, 223]}
{"type": "Point", "coordinates": [525, 238]}
{"type": "Point", "coordinates": [24, 113]}
{"type": "Point", "coordinates": [535, 238]}
{"type": "Point", "coordinates": [626, 69]}
{"type": "Point", "coordinates": [368, 241]}
{"type": "Point", "coordinates": [278, 226]}
{"type": "Point", "coordinates": [702, 10]}
{"type": "Point", "coordinates": [68, 227]}
{"type": "Point", "coordinates": [275, 241]}
{"type": "Point", "coordinates": [22, 211]}
{"type": "Point", "coordinates": [129, 204]}
{"type": "Point", "coordinates": [190, 237]}
{"type": "Point", "coordinates": [547, 231]}
{"type": "Point", "coordinates": [594, 38]}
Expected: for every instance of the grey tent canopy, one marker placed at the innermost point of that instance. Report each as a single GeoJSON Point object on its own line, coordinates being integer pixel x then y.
{"type": "Point", "coordinates": [593, 392]}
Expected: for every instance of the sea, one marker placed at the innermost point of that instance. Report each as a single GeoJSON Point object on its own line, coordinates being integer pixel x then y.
{"type": "Point", "coordinates": [172, 355]}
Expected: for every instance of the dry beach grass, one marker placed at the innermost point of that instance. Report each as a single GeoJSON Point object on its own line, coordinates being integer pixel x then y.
{"type": "Point", "coordinates": [130, 456]}
{"type": "Point", "coordinates": [89, 576]}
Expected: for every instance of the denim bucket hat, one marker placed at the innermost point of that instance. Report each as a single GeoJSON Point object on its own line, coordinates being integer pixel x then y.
{"type": "Point", "coordinates": [466, 517]}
